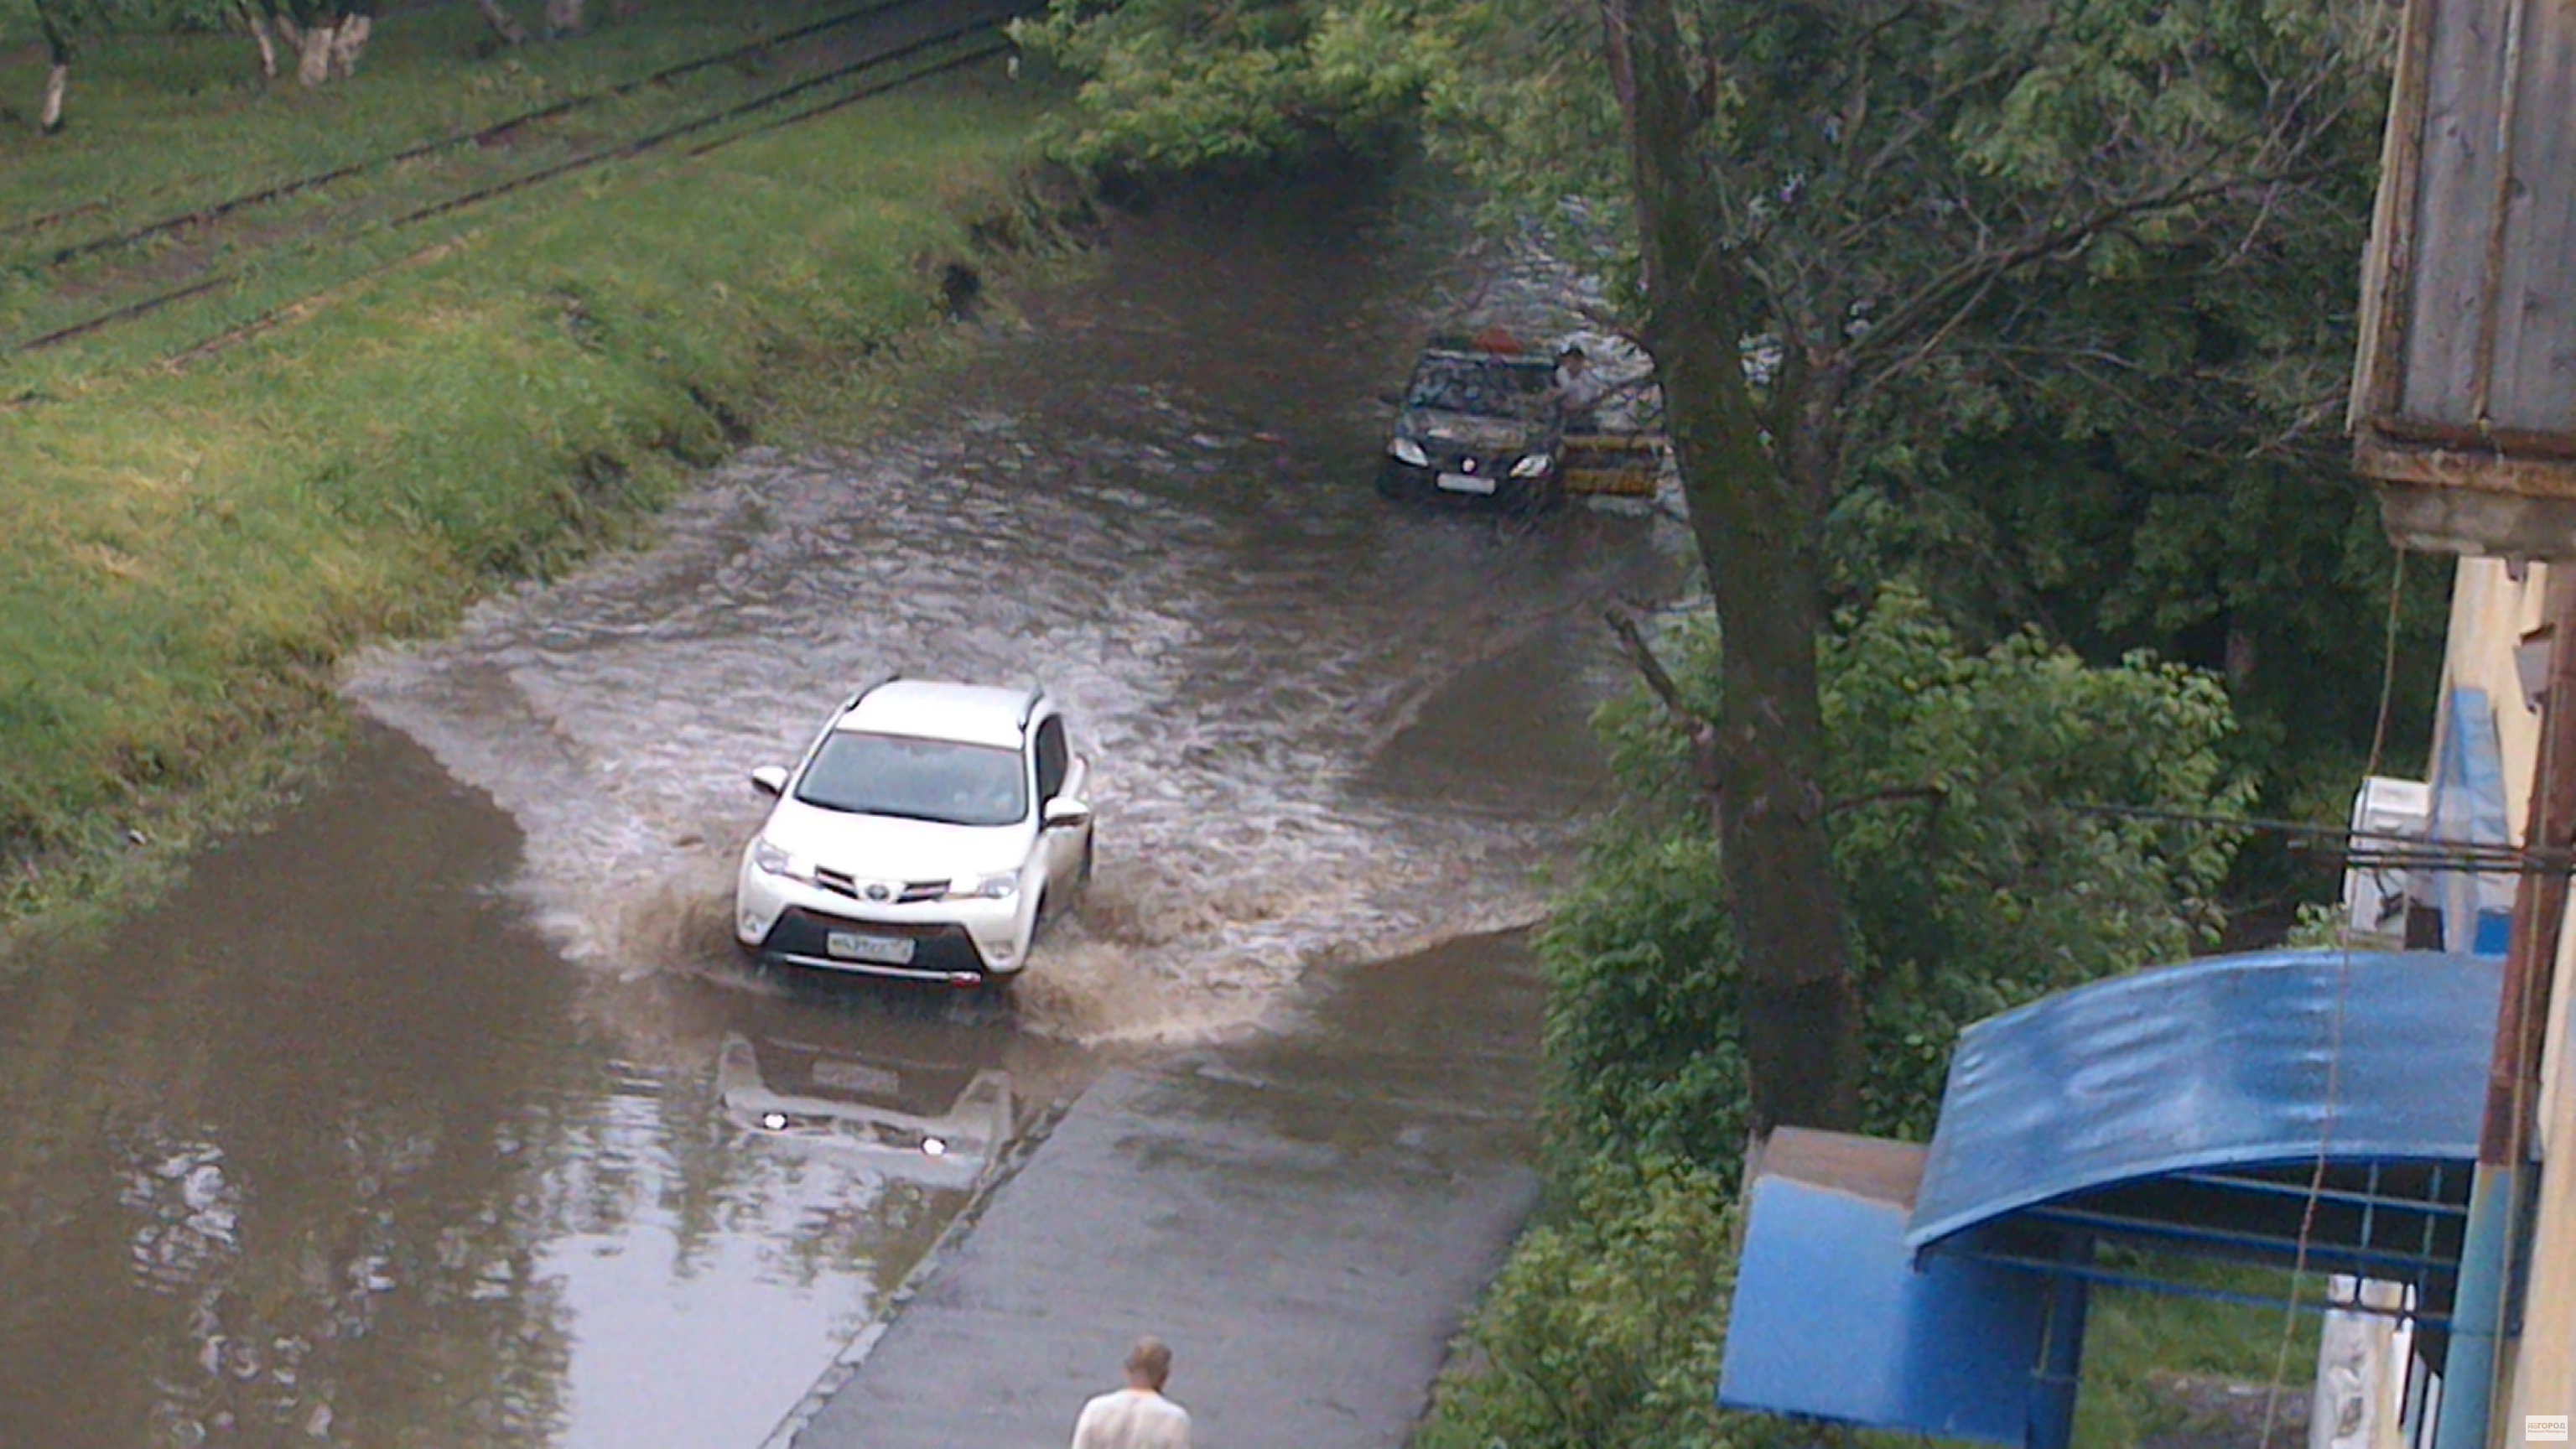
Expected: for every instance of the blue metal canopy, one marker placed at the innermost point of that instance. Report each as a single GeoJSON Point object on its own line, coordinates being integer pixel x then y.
{"type": "Point", "coordinates": [2229, 1062]}
{"type": "Point", "coordinates": [1832, 1321]}
{"type": "Point", "coordinates": [2191, 1109]}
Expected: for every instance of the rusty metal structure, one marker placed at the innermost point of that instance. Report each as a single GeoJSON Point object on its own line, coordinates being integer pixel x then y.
{"type": "Point", "coordinates": [2464, 397]}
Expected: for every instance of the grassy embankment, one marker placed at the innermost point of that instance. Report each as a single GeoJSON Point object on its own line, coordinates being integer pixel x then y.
{"type": "Point", "coordinates": [191, 539]}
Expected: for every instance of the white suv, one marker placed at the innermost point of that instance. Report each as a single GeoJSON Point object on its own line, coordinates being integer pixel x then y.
{"type": "Point", "coordinates": [928, 832]}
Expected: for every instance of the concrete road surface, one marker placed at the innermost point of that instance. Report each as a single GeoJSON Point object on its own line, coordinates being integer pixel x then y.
{"type": "Point", "coordinates": [1306, 1218]}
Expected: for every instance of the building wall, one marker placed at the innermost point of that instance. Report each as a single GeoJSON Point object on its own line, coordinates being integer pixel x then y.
{"type": "Point", "coordinates": [2544, 1371]}
{"type": "Point", "coordinates": [2491, 611]}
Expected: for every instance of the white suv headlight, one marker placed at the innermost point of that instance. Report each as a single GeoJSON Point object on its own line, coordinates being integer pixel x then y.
{"type": "Point", "coordinates": [1408, 451]}
{"type": "Point", "coordinates": [1531, 466]}
{"type": "Point", "coordinates": [772, 860]}
{"type": "Point", "coordinates": [985, 887]}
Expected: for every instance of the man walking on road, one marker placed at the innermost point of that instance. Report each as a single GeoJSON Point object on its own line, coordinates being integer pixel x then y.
{"type": "Point", "coordinates": [1137, 1416]}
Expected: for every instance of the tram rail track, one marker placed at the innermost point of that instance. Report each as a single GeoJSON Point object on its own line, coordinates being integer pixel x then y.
{"type": "Point", "coordinates": [297, 308]}
{"type": "Point", "coordinates": [988, 18]}
{"type": "Point", "coordinates": [217, 211]}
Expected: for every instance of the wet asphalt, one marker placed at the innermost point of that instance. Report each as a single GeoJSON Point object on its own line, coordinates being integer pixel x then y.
{"type": "Point", "coordinates": [1305, 1217]}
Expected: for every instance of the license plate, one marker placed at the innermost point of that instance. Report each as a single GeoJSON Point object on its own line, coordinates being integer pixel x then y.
{"type": "Point", "coordinates": [1467, 482]}
{"type": "Point", "coordinates": [880, 950]}
{"type": "Point", "coordinates": [856, 1077]}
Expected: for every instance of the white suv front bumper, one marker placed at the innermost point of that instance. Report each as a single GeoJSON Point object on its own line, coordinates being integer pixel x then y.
{"type": "Point", "coordinates": [794, 921]}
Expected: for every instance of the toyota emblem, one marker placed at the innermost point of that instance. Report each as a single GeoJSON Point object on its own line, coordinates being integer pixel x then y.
{"type": "Point", "coordinates": [878, 892]}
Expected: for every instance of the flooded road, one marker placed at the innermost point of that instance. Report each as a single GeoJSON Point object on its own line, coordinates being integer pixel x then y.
{"type": "Point", "coordinates": [443, 1115]}
{"type": "Point", "coordinates": [338, 1149]}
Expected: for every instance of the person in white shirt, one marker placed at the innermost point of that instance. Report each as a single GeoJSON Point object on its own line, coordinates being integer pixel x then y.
{"type": "Point", "coordinates": [1579, 390]}
{"type": "Point", "coordinates": [1137, 1416]}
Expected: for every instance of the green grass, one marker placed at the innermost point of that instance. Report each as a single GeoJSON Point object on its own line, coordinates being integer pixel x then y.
{"type": "Point", "coordinates": [2138, 1344]}
{"type": "Point", "coordinates": [158, 123]}
{"type": "Point", "coordinates": [164, 147]}
{"type": "Point", "coordinates": [186, 554]}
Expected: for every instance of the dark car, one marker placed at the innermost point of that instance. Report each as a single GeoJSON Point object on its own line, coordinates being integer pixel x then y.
{"type": "Point", "coordinates": [1478, 422]}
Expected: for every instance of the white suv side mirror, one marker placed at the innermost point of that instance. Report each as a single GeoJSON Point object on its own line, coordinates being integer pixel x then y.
{"type": "Point", "coordinates": [770, 780]}
{"type": "Point", "coordinates": [1066, 813]}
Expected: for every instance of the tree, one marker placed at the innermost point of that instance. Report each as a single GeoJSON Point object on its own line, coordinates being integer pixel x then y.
{"type": "Point", "coordinates": [1866, 243]}
{"type": "Point", "coordinates": [326, 36]}
{"type": "Point", "coordinates": [504, 25]}
{"type": "Point", "coordinates": [562, 18]}
{"type": "Point", "coordinates": [2185, 490]}
{"type": "Point", "coordinates": [1859, 190]}
{"type": "Point", "coordinates": [62, 24]}
{"type": "Point", "coordinates": [1179, 85]}
{"type": "Point", "coordinates": [1974, 815]}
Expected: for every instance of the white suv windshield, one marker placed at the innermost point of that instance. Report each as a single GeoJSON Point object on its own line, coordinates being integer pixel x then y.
{"type": "Point", "coordinates": [938, 780]}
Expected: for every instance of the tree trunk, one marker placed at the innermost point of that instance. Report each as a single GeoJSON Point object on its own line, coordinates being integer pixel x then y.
{"type": "Point", "coordinates": [313, 60]}
{"type": "Point", "coordinates": [563, 17]}
{"type": "Point", "coordinates": [58, 84]}
{"type": "Point", "coordinates": [58, 67]}
{"type": "Point", "coordinates": [261, 31]}
{"type": "Point", "coordinates": [2242, 657]}
{"type": "Point", "coordinates": [501, 22]}
{"type": "Point", "coordinates": [349, 42]}
{"type": "Point", "coordinates": [1756, 526]}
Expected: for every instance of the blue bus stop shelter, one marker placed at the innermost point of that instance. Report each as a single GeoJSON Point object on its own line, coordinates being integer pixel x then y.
{"type": "Point", "coordinates": [2280, 1107]}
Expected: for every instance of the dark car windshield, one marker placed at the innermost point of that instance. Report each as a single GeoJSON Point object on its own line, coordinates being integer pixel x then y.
{"type": "Point", "coordinates": [942, 780]}
{"type": "Point", "coordinates": [1486, 387]}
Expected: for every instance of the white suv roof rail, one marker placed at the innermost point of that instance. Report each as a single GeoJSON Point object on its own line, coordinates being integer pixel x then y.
{"type": "Point", "coordinates": [871, 687]}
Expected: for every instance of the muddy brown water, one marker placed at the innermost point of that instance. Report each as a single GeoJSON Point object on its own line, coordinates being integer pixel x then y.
{"type": "Point", "coordinates": [441, 1114]}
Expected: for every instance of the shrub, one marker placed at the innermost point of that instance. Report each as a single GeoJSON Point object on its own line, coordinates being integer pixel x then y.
{"type": "Point", "coordinates": [1605, 1327]}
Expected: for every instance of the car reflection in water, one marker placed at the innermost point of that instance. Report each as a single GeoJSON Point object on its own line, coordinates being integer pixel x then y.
{"type": "Point", "coordinates": [940, 1126]}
